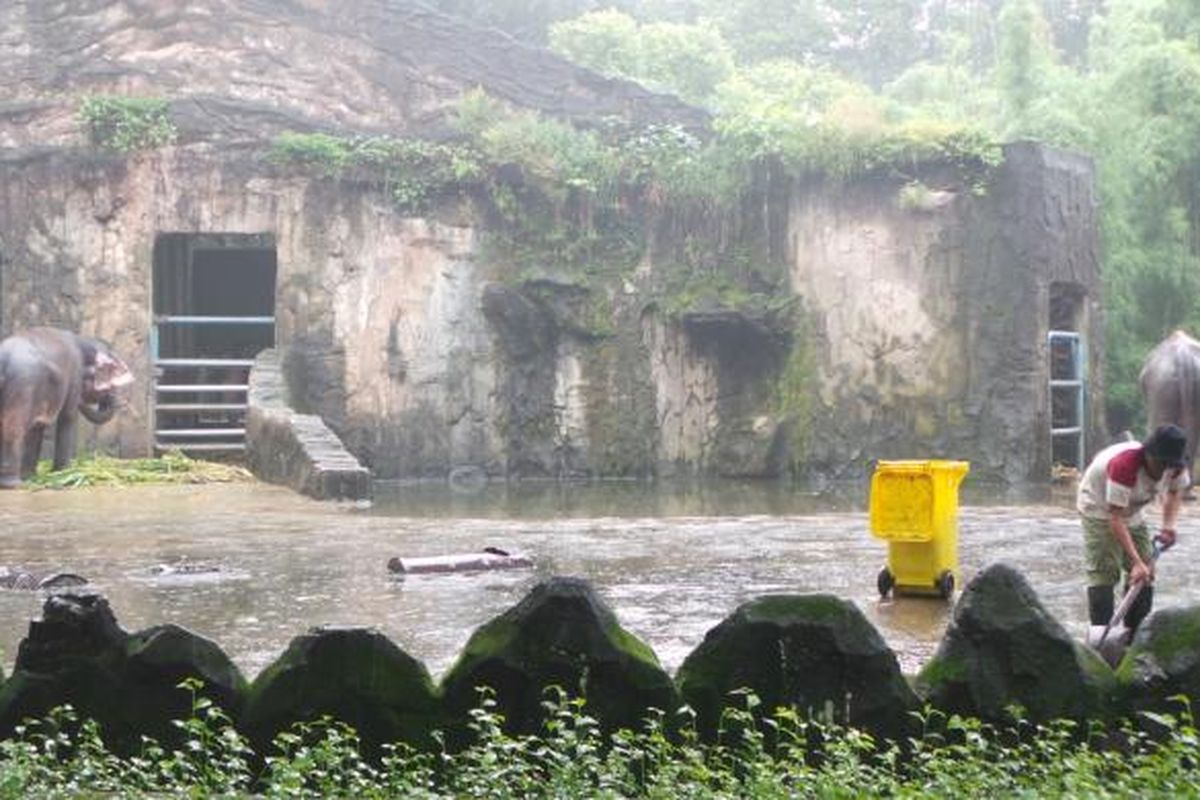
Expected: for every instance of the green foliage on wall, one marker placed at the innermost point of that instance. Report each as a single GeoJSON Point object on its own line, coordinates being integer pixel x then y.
{"type": "Point", "coordinates": [411, 171]}
{"type": "Point", "coordinates": [127, 124]}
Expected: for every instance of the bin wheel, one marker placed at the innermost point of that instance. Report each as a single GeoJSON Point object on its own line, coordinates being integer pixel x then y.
{"type": "Point", "coordinates": [945, 584]}
{"type": "Point", "coordinates": [885, 582]}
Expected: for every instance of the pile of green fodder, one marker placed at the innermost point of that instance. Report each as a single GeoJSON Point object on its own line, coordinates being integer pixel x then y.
{"type": "Point", "coordinates": [786, 756]}
{"type": "Point", "coordinates": [172, 467]}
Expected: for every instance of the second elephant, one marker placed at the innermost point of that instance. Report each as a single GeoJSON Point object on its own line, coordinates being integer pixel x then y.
{"type": "Point", "coordinates": [1170, 386]}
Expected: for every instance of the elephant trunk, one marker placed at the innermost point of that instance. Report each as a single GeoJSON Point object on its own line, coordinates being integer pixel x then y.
{"type": "Point", "coordinates": [105, 408]}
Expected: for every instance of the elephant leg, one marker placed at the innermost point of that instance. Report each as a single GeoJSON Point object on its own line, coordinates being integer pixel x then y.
{"type": "Point", "coordinates": [12, 442]}
{"type": "Point", "coordinates": [64, 437]}
{"type": "Point", "coordinates": [33, 451]}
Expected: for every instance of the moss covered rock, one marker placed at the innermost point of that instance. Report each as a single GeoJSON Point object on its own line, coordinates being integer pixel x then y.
{"type": "Point", "coordinates": [1002, 648]}
{"type": "Point", "coordinates": [354, 675]}
{"type": "Point", "coordinates": [158, 659]}
{"type": "Point", "coordinates": [1163, 662]}
{"type": "Point", "coordinates": [562, 634]}
{"type": "Point", "coordinates": [813, 652]}
{"type": "Point", "coordinates": [77, 654]}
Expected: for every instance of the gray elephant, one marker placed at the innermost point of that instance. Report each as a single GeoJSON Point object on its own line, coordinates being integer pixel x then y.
{"type": "Point", "coordinates": [46, 375]}
{"type": "Point", "coordinates": [1170, 386]}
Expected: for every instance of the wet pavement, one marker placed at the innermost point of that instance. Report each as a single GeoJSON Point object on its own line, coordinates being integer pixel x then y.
{"type": "Point", "coordinates": [251, 566]}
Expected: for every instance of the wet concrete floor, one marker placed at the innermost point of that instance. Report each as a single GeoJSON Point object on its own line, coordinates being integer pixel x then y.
{"type": "Point", "coordinates": [671, 563]}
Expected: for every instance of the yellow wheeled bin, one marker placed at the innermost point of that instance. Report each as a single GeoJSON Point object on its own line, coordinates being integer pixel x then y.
{"type": "Point", "coordinates": [914, 508]}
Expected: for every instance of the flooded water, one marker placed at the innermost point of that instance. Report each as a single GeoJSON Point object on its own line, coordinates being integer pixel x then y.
{"type": "Point", "coordinates": [671, 562]}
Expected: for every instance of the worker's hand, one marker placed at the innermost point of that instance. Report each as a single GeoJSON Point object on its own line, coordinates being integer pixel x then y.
{"type": "Point", "coordinates": [1141, 572]}
{"type": "Point", "coordinates": [1166, 537]}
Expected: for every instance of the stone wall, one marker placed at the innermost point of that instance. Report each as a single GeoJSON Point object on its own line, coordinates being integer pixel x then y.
{"type": "Point", "coordinates": [925, 327]}
{"type": "Point", "coordinates": [930, 316]}
{"type": "Point", "coordinates": [378, 313]}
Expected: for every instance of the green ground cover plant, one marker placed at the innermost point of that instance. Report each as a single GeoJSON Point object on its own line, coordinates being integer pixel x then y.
{"type": "Point", "coordinates": [787, 756]}
{"type": "Point", "coordinates": [171, 467]}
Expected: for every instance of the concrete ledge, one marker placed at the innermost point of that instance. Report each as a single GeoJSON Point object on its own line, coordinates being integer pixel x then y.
{"type": "Point", "coordinates": [296, 450]}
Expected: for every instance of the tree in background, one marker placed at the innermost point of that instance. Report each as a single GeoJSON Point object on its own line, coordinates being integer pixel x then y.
{"type": "Point", "coordinates": [1145, 120]}
{"type": "Point", "coordinates": [528, 20]}
{"type": "Point", "coordinates": [687, 59]}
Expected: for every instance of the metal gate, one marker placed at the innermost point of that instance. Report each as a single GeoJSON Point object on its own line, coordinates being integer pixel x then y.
{"type": "Point", "coordinates": [192, 411]}
{"type": "Point", "coordinates": [1068, 377]}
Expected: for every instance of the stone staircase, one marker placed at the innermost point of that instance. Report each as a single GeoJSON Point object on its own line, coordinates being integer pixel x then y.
{"type": "Point", "coordinates": [293, 449]}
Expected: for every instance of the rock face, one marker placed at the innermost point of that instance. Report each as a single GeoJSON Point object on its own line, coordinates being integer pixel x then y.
{"type": "Point", "coordinates": [237, 68]}
{"type": "Point", "coordinates": [1163, 661]}
{"type": "Point", "coordinates": [562, 634]}
{"type": "Point", "coordinates": [1003, 648]}
{"type": "Point", "coordinates": [813, 652]}
{"type": "Point", "coordinates": [78, 654]}
{"type": "Point", "coordinates": [354, 675]}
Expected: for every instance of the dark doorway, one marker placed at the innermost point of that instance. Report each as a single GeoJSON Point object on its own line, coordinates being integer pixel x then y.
{"type": "Point", "coordinates": [214, 307]}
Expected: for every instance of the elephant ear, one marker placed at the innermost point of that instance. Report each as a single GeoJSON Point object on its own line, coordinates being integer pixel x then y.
{"type": "Point", "coordinates": [111, 372]}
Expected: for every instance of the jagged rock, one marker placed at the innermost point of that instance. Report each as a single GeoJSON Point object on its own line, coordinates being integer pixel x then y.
{"type": "Point", "coordinates": [1163, 661]}
{"type": "Point", "coordinates": [1003, 648]}
{"type": "Point", "coordinates": [159, 658]}
{"type": "Point", "coordinates": [815, 652]}
{"type": "Point", "coordinates": [561, 634]}
{"type": "Point", "coordinates": [77, 654]}
{"type": "Point", "coordinates": [355, 675]}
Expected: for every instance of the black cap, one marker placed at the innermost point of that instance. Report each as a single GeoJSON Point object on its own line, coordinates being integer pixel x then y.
{"type": "Point", "coordinates": [1167, 445]}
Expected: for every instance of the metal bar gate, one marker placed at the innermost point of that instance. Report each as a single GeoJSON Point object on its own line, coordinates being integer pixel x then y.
{"type": "Point", "coordinates": [1068, 380]}
{"type": "Point", "coordinates": [191, 411]}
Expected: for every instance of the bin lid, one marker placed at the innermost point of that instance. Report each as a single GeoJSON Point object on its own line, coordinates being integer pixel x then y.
{"type": "Point", "coordinates": [922, 465]}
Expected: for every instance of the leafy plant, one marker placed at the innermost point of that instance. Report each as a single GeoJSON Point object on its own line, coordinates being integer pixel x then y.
{"type": "Point", "coordinates": [411, 171]}
{"type": "Point", "coordinates": [781, 753]}
{"type": "Point", "coordinates": [127, 124]}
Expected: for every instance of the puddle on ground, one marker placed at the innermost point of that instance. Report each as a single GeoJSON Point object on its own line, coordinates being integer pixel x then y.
{"type": "Point", "coordinates": [672, 562]}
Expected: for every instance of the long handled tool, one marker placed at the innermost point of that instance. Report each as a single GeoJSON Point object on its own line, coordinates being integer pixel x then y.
{"type": "Point", "coordinates": [1117, 646]}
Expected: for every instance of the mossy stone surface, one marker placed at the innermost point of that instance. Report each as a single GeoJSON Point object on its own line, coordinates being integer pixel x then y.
{"type": "Point", "coordinates": [1003, 648]}
{"type": "Point", "coordinates": [77, 654]}
{"type": "Point", "coordinates": [157, 660]}
{"type": "Point", "coordinates": [354, 675]}
{"type": "Point", "coordinates": [815, 652]}
{"type": "Point", "coordinates": [1163, 661]}
{"type": "Point", "coordinates": [561, 634]}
